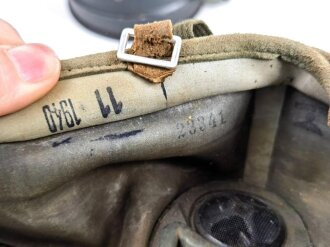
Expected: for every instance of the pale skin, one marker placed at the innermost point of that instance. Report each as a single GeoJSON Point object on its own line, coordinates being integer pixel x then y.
{"type": "Point", "coordinates": [27, 71]}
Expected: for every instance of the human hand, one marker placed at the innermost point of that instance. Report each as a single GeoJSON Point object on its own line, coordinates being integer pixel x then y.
{"type": "Point", "coordinates": [27, 71]}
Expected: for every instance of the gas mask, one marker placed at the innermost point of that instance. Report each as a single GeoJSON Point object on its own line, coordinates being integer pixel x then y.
{"type": "Point", "coordinates": [230, 148]}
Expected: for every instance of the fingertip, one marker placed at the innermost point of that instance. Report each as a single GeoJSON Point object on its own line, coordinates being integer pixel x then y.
{"type": "Point", "coordinates": [32, 71]}
{"type": "Point", "coordinates": [34, 62]}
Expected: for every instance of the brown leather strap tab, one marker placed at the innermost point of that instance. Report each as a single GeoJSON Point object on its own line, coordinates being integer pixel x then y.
{"type": "Point", "coordinates": [152, 40]}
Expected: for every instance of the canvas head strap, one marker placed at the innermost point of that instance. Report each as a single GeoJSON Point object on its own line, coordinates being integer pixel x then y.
{"type": "Point", "coordinates": [99, 89]}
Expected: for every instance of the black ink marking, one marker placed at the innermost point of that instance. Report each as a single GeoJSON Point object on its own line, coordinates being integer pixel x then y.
{"type": "Point", "coordinates": [60, 115]}
{"type": "Point", "coordinates": [49, 118]}
{"type": "Point", "coordinates": [77, 120]}
{"type": "Point", "coordinates": [164, 90]}
{"type": "Point", "coordinates": [117, 107]}
{"type": "Point", "coordinates": [105, 110]}
{"type": "Point", "coordinates": [68, 118]}
{"type": "Point", "coordinates": [118, 136]}
{"type": "Point", "coordinates": [65, 141]}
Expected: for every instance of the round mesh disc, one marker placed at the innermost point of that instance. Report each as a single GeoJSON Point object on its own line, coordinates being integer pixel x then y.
{"type": "Point", "coordinates": [233, 218]}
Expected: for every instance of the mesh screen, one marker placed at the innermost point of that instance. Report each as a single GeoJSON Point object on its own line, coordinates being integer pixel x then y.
{"type": "Point", "coordinates": [239, 219]}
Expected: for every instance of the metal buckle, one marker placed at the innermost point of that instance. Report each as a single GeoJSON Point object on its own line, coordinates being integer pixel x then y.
{"type": "Point", "coordinates": [129, 32]}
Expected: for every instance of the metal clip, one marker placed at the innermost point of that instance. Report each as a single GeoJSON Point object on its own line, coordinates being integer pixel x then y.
{"type": "Point", "coordinates": [129, 32]}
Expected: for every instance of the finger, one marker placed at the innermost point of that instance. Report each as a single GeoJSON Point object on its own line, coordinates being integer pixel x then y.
{"type": "Point", "coordinates": [8, 35]}
{"type": "Point", "coordinates": [27, 73]}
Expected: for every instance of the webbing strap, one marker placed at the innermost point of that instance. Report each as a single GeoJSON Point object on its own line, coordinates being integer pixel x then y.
{"type": "Point", "coordinates": [98, 89]}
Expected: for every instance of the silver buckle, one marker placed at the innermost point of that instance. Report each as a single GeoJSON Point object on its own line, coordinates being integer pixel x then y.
{"type": "Point", "coordinates": [129, 32]}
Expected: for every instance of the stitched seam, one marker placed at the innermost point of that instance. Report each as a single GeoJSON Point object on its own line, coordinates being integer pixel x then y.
{"type": "Point", "coordinates": [88, 67]}
{"type": "Point", "coordinates": [187, 57]}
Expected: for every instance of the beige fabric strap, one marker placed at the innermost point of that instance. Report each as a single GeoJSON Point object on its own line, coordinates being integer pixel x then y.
{"type": "Point", "coordinates": [191, 29]}
{"type": "Point", "coordinates": [98, 89]}
{"type": "Point", "coordinates": [102, 98]}
{"type": "Point", "coordinates": [213, 48]}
